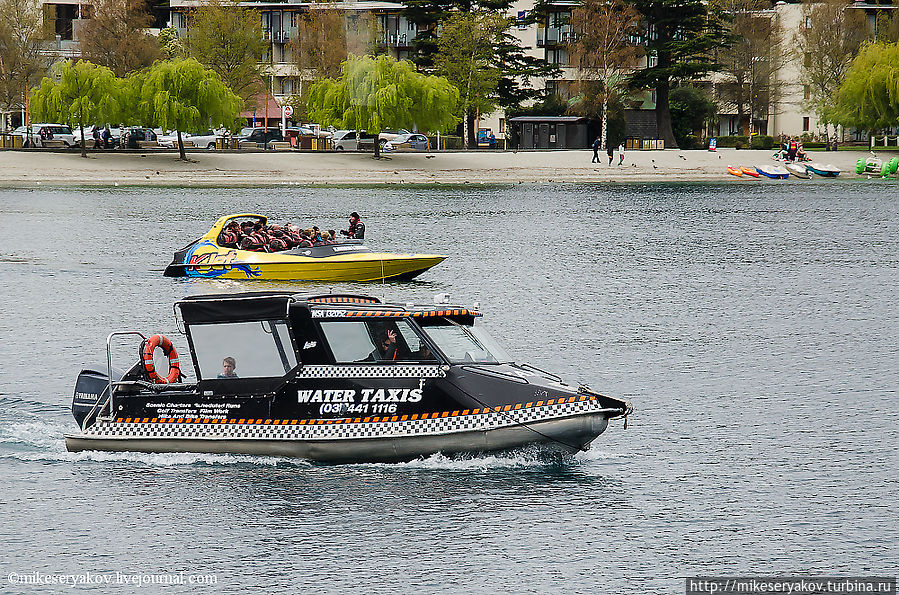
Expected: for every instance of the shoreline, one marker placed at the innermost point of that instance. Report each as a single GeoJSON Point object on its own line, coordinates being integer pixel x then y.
{"type": "Point", "coordinates": [35, 168]}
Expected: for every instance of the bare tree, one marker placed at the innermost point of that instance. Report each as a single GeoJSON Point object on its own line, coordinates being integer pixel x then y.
{"type": "Point", "coordinates": [828, 39]}
{"type": "Point", "coordinates": [749, 66]}
{"type": "Point", "coordinates": [603, 53]}
{"type": "Point", "coordinates": [22, 61]}
{"type": "Point", "coordinates": [325, 37]}
{"type": "Point", "coordinates": [116, 36]}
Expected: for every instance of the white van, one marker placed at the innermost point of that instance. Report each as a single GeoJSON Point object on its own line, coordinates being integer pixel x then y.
{"type": "Point", "coordinates": [59, 132]}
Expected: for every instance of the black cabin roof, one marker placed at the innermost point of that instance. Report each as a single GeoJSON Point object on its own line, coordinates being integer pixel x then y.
{"type": "Point", "coordinates": [268, 305]}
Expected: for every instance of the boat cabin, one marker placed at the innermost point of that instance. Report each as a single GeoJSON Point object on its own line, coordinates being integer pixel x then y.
{"type": "Point", "coordinates": [269, 336]}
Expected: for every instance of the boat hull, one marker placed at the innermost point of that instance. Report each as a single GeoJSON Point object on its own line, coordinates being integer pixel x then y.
{"type": "Point", "coordinates": [563, 435]}
{"type": "Point", "coordinates": [205, 259]}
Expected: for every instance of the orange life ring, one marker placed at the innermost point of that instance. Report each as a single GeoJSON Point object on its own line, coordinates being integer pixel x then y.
{"type": "Point", "coordinates": [168, 349]}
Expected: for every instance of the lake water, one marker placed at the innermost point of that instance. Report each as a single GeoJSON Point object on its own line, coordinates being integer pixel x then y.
{"type": "Point", "coordinates": [755, 328]}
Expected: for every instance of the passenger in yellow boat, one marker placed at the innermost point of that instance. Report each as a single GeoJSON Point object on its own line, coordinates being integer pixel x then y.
{"type": "Point", "coordinates": [230, 236]}
{"type": "Point", "coordinates": [229, 364]}
{"type": "Point", "coordinates": [357, 227]}
{"type": "Point", "coordinates": [333, 235]}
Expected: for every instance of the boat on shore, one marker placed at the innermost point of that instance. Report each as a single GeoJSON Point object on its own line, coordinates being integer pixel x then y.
{"type": "Point", "coordinates": [332, 378]}
{"type": "Point", "coordinates": [775, 172]}
{"type": "Point", "coordinates": [734, 171]}
{"type": "Point", "coordinates": [348, 260]}
{"type": "Point", "coordinates": [823, 170]}
{"type": "Point", "coordinates": [798, 170]}
{"type": "Point", "coordinates": [750, 171]}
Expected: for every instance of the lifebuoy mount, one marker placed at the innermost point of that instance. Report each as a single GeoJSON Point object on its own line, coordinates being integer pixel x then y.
{"type": "Point", "coordinates": [168, 349]}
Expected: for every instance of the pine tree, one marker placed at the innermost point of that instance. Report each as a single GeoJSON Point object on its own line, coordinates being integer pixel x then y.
{"type": "Point", "coordinates": [680, 36]}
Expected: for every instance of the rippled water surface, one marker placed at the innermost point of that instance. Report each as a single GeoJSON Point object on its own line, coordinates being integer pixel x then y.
{"type": "Point", "coordinates": [753, 326]}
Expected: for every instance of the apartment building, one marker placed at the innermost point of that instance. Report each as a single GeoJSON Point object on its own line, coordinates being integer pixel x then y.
{"type": "Point", "coordinates": [787, 112]}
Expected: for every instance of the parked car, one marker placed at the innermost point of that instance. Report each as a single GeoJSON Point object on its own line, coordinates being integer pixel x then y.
{"type": "Point", "coordinates": [408, 142]}
{"type": "Point", "coordinates": [201, 140]}
{"type": "Point", "coordinates": [206, 139]}
{"type": "Point", "coordinates": [346, 140]}
{"type": "Point", "coordinates": [58, 132]}
{"type": "Point", "coordinates": [259, 135]}
{"type": "Point", "coordinates": [132, 136]}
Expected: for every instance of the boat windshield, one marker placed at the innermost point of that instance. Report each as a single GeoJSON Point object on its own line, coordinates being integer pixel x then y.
{"type": "Point", "coordinates": [261, 349]}
{"type": "Point", "coordinates": [466, 343]}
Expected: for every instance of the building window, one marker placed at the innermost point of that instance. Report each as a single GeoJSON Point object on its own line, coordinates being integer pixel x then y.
{"type": "Point", "coordinates": [502, 125]}
{"type": "Point", "coordinates": [806, 92]}
{"type": "Point", "coordinates": [805, 123]}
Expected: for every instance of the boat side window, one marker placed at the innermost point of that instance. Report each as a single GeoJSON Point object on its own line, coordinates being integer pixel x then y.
{"type": "Point", "coordinates": [260, 349]}
{"type": "Point", "coordinates": [382, 340]}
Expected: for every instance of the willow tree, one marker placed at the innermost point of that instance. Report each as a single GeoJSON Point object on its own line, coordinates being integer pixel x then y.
{"type": "Point", "coordinates": [78, 93]}
{"type": "Point", "coordinates": [183, 95]}
{"type": "Point", "coordinates": [465, 57]}
{"type": "Point", "coordinates": [868, 99]}
{"type": "Point", "coordinates": [377, 93]}
{"type": "Point", "coordinates": [602, 54]}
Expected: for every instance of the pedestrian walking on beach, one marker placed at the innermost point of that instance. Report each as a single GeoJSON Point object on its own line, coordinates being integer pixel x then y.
{"type": "Point", "coordinates": [621, 154]}
{"type": "Point", "coordinates": [596, 145]}
{"type": "Point", "coordinates": [610, 151]}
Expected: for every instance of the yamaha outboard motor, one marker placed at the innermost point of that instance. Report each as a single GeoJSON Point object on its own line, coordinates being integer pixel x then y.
{"type": "Point", "coordinates": [91, 392]}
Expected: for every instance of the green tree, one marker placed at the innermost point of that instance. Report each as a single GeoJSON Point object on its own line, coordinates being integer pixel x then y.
{"type": "Point", "coordinates": [377, 93]}
{"type": "Point", "coordinates": [465, 57]}
{"type": "Point", "coordinates": [23, 61]}
{"type": "Point", "coordinates": [602, 54]}
{"type": "Point", "coordinates": [827, 41]}
{"type": "Point", "coordinates": [691, 109]}
{"type": "Point", "coordinates": [170, 44]}
{"type": "Point", "coordinates": [116, 36]}
{"type": "Point", "coordinates": [680, 37]}
{"type": "Point", "coordinates": [79, 92]}
{"type": "Point", "coordinates": [516, 68]}
{"type": "Point", "coordinates": [183, 95]}
{"type": "Point", "coordinates": [228, 39]}
{"type": "Point", "coordinates": [868, 99]}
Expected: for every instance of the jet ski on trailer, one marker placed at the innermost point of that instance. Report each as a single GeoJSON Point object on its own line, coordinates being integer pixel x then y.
{"type": "Point", "coordinates": [349, 260]}
{"type": "Point", "coordinates": [331, 378]}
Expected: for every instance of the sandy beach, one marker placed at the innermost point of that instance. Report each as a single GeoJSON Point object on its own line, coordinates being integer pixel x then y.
{"type": "Point", "coordinates": [31, 168]}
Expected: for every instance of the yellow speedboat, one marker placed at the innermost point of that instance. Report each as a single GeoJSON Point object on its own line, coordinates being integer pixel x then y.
{"type": "Point", "coordinates": [349, 260]}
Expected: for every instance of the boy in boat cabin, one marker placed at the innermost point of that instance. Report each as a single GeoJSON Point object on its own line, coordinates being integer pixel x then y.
{"type": "Point", "coordinates": [229, 364]}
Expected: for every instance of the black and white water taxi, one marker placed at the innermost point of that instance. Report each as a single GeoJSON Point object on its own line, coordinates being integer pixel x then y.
{"type": "Point", "coordinates": [332, 378]}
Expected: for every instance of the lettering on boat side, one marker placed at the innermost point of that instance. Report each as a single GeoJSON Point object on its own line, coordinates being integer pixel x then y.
{"type": "Point", "coordinates": [191, 410]}
{"type": "Point", "coordinates": [366, 395]}
{"type": "Point", "coordinates": [328, 313]}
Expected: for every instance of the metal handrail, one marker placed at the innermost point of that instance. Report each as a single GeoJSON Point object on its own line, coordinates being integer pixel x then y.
{"type": "Point", "coordinates": [109, 361]}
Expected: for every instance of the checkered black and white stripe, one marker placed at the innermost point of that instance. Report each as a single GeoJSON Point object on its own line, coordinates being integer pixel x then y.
{"type": "Point", "coordinates": [372, 371]}
{"type": "Point", "coordinates": [440, 425]}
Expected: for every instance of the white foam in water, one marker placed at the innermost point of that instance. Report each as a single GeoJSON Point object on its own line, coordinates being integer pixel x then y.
{"type": "Point", "coordinates": [44, 441]}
